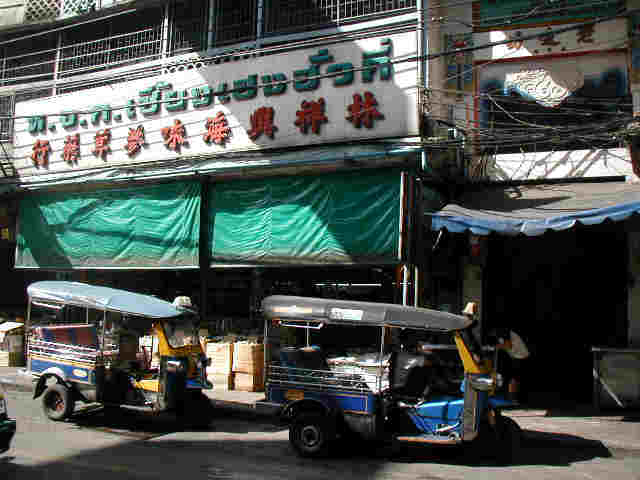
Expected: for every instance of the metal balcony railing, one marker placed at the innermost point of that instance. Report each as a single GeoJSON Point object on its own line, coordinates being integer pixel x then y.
{"type": "Point", "coordinates": [110, 52]}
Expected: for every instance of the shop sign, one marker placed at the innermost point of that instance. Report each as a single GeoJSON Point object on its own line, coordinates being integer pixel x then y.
{"type": "Point", "coordinates": [586, 38]}
{"type": "Point", "coordinates": [343, 92]}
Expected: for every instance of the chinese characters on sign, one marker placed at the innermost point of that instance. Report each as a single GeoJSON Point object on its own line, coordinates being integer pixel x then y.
{"type": "Point", "coordinates": [217, 129]}
{"type": "Point", "coordinates": [71, 150]}
{"type": "Point", "coordinates": [262, 122]}
{"type": "Point", "coordinates": [152, 100]}
{"type": "Point", "coordinates": [363, 112]}
{"type": "Point", "coordinates": [311, 115]}
{"type": "Point", "coordinates": [102, 139]}
{"type": "Point", "coordinates": [40, 155]}
{"type": "Point", "coordinates": [135, 140]}
{"type": "Point", "coordinates": [174, 136]}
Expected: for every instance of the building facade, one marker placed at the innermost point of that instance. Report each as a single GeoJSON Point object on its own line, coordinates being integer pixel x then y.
{"type": "Point", "coordinates": [544, 229]}
{"type": "Point", "coordinates": [222, 150]}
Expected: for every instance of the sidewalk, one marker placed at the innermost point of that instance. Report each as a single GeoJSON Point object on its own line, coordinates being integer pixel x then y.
{"type": "Point", "coordinates": [581, 426]}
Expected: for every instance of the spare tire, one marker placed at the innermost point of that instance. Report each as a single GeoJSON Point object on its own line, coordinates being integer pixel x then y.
{"type": "Point", "coordinates": [57, 402]}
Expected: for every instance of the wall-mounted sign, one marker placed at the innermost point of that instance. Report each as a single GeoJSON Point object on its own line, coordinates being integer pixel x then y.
{"type": "Point", "coordinates": [601, 36]}
{"type": "Point", "coordinates": [296, 98]}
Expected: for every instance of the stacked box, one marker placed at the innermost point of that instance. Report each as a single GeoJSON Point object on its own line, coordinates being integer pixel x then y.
{"type": "Point", "coordinates": [248, 367]}
{"type": "Point", "coordinates": [221, 355]}
{"type": "Point", "coordinates": [222, 381]}
{"type": "Point", "coordinates": [248, 358]}
{"type": "Point", "coordinates": [249, 382]}
{"type": "Point", "coordinates": [16, 359]}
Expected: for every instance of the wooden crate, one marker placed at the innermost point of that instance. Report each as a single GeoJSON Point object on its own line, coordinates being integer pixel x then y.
{"type": "Point", "coordinates": [221, 381]}
{"type": "Point", "coordinates": [248, 358]}
{"type": "Point", "coordinates": [16, 359]}
{"type": "Point", "coordinates": [221, 355]}
{"type": "Point", "coordinates": [249, 382]}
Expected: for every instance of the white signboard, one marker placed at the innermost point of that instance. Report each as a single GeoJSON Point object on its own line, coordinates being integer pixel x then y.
{"type": "Point", "coordinates": [227, 107]}
{"type": "Point", "coordinates": [601, 36]}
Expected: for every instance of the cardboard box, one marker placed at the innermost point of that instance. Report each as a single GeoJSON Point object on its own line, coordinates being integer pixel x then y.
{"type": "Point", "coordinates": [221, 355]}
{"type": "Point", "coordinates": [221, 381]}
{"type": "Point", "coordinates": [249, 382]}
{"type": "Point", "coordinates": [248, 358]}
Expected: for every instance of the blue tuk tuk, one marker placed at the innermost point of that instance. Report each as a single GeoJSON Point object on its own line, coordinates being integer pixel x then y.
{"type": "Point", "coordinates": [390, 394]}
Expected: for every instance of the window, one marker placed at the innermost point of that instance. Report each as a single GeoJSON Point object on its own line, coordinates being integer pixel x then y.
{"type": "Point", "coordinates": [189, 32]}
{"type": "Point", "coordinates": [28, 60]}
{"type": "Point", "coordinates": [235, 21]}
{"type": "Point", "coordinates": [293, 15]}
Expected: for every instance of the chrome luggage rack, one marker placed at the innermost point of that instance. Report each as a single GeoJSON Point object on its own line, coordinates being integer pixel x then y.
{"type": "Point", "coordinates": [64, 351]}
{"type": "Point", "coordinates": [323, 379]}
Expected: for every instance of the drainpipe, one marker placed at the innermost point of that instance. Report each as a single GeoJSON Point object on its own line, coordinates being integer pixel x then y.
{"type": "Point", "coordinates": [421, 277]}
{"type": "Point", "coordinates": [423, 68]}
{"type": "Point", "coordinates": [260, 23]}
{"type": "Point", "coordinates": [211, 24]}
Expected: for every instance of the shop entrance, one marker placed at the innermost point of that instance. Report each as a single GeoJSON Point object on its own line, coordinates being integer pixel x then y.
{"type": "Point", "coordinates": [563, 292]}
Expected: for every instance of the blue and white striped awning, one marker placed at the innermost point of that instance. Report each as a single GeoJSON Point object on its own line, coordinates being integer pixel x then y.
{"type": "Point", "coordinates": [534, 209]}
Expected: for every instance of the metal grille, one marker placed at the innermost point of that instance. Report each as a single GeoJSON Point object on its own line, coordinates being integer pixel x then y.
{"type": "Point", "coordinates": [235, 22]}
{"type": "Point", "coordinates": [6, 124]}
{"type": "Point", "coordinates": [29, 67]}
{"type": "Point", "coordinates": [42, 10]}
{"type": "Point", "coordinates": [323, 379]}
{"type": "Point", "coordinates": [110, 52]}
{"type": "Point", "coordinates": [291, 15]}
{"type": "Point", "coordinates": [187, 37]}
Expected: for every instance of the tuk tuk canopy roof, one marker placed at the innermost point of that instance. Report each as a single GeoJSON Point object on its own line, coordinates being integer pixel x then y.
{"type": "Point", "coordinates": [103, 298]}
{"type": "Point", "coordinates": [353, 313]}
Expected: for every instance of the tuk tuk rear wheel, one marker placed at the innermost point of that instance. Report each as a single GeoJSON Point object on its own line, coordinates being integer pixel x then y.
{"type": "Point", "coordinates": [57, 402]}
{"type": "Point", "coordinates": [309, 434]}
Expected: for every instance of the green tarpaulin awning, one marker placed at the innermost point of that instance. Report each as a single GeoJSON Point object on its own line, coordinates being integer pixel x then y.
{"type": "Point", "coordinates": [155, 226]}
{"type": "Point", "coordinates": [307, 220]}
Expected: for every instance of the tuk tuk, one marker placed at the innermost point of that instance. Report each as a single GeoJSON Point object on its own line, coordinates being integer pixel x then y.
{"type": "Point", "coordinates": [83, 344]}
{"type": "Point", "coordinates": [390, 394]}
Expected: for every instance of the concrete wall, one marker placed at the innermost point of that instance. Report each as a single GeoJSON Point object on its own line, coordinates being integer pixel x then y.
{"type": "Point", "coordinates": [11, 12]}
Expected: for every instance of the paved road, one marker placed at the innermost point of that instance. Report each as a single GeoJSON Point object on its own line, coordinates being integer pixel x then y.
{"type": "Point", "coordinates": [97, 446]}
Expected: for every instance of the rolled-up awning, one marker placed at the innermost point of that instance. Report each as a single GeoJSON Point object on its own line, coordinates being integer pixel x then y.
{"type": "Point", "coordinates": [534, 209]}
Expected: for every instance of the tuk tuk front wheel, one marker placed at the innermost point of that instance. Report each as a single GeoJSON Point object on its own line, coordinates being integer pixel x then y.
{"type": "Point", "coordinates": [309, 434]}
{"type": "Point", "coordinates": [57, 402]}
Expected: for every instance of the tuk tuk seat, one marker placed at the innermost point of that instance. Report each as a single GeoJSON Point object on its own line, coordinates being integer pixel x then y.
{"type": "Point", "coordinates": [79, 335]}
{"type": "Point", "coordinates": [409, 375]}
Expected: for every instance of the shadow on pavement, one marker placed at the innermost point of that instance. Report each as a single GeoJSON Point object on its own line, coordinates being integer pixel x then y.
{"type": "Point", "coordinates": [145, 425]}
{"type": "Point", "coordinates": [537, 448]}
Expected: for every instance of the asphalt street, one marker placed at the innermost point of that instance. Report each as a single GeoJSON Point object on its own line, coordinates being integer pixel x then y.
{"type": "Point", "coordinates": [98, 445]}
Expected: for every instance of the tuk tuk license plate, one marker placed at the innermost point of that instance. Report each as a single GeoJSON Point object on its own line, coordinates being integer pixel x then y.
{"type": "Point", "coordinates": [294, 395]}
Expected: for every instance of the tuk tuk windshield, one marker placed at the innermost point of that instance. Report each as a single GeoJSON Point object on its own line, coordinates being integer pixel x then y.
{"type": "Point", "coordinates": [181, 333]}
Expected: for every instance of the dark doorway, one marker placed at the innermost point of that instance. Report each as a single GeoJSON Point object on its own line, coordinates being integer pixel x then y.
{"type": "Point", "coordinates": [563, 292]}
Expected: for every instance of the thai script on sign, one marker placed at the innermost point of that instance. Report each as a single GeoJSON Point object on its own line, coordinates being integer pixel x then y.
{"type": "Point", "coordinates": [154, 98]}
